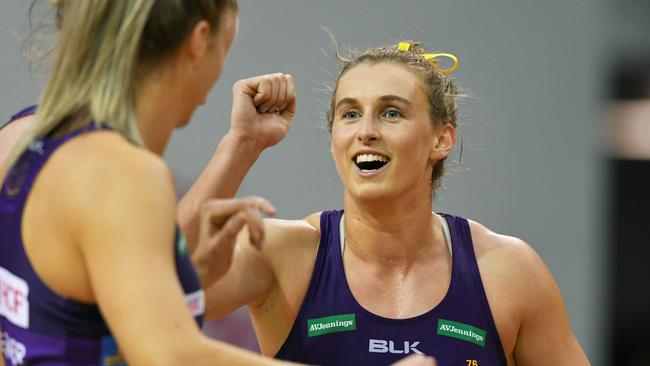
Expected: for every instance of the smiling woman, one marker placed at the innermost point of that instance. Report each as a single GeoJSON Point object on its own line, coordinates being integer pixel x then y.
{"type": "Point", "coordinates": [436, 95]}
{"type": "Point", "coordinates": [389, 277]}
{"type": "Point", "coordinates": [381, 135]}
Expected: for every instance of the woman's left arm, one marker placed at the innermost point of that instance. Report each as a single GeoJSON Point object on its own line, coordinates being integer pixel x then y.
{"type": "Point", "coordinates": [545, 336]}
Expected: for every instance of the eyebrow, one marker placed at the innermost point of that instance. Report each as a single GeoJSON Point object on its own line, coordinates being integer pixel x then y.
{"type": "Point", "coordinates": [345, 101]}
{"type": "Point", "coordinates": [385, 98]}
{"type": "Point", "coordinates": [394, 98]}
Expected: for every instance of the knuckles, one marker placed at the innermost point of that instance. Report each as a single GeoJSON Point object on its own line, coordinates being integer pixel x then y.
{"type": "Point", "coordinates": [264, 81]}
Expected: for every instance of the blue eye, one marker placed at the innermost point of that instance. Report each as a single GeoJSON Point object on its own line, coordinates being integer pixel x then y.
{"type": "Point", "coordinates": [392, 114]}
{"type": "Point", "coordinates": [351, 115]}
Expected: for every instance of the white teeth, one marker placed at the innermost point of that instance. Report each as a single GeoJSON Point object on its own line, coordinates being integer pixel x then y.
{"type": "Point", "coordinates": [370, 157]}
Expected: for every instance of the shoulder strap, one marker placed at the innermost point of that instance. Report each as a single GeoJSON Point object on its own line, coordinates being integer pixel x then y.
{"type": "Point", "coordinates": [24, 113]}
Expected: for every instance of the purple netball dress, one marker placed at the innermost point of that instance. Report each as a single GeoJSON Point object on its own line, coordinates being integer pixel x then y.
{"type": "Point", "coordinates": [332, 328]}
{"type": "Point", "coordinates": [39, 327]}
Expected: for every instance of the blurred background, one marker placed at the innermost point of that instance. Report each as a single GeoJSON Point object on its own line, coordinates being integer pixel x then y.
{"type": "Point", "coordinates": [556, 132]}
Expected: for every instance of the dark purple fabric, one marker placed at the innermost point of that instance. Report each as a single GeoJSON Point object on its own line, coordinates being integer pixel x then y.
{"type": "Point", "coordinates": [392, 339]}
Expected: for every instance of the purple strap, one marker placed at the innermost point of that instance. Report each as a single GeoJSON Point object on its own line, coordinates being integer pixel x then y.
{"type": "Point", "coordinates": [24, 113]}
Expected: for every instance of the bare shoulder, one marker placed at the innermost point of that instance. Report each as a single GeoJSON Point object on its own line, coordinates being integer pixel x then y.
{"type": "Point", "coordinates": [298, 235]}
{"type": "Point", "coordinates": [109, 172]}
{"type": "Point", "coordinates": [509, 264]}
{"type": "Point", "coordinates": [14, 130]}
{"type": "Point", "coordinates": [104, 156]}
{"type": "Point", "coordinates": [9, 137]}
{"type": "Point", "coordinates": [291, 246]}
{"type": "Point", "coordinates": [314, 220]}
{"type": "Point", "coordinates": [517, 283]}
{"type": "Point", "coordinates": [111, 148]}
{"type": "Point", "coordinates": [505, 255]}
{"type": "Point", "coordinates": [489, 244]}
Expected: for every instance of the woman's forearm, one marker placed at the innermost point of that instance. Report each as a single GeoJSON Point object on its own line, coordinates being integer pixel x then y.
{"type": "Point", "coordinates": [221, 178]}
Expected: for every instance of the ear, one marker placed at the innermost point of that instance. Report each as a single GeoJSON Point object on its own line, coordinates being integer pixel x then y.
{"type": "Point", "coordinates": [444, 140]}
{"type": "Point", "coordinates": [198, 41]}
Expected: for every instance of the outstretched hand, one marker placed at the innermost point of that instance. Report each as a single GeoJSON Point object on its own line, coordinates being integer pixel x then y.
{"type": "Point", "coordinates": [417, 360]}
{"type": "Point", "coordinates": [263, 108]}
{"type": "Point", "coordinates": [221, 221]}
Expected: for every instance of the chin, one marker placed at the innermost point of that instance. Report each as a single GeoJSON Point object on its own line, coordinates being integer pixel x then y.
{"type": "Point", "coordinates": [183, 123]}
{"type": "Point", "coordinates": [185, 120]}
{"type": "Point", "coordinates": [372, 192]}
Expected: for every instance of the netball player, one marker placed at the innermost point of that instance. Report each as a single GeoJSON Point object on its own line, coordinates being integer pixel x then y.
{"type": "Point", "coordinates": [88, 205]}
{"type": "Point", "coordinates": [72, 240]}
{"type": "Point", "coordinates": [387, 277]}
{"type": "Point", "coordinates": [250, 133]}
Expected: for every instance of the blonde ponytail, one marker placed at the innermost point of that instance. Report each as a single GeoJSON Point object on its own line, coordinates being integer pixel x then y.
{"type": "Point", "coordinates": [93, 73]}
{"type": "Point", "coordinates": [102, 49]}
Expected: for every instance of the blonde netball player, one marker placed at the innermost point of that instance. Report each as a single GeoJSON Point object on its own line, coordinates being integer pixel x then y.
{"type": "Point", "coordinates": [88, 206]}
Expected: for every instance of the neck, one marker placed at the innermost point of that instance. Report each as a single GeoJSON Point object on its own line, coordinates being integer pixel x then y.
{"type": "Point", "coordinates": [394, 232]}
{"type": "Point", "coordinates": [156, 112]}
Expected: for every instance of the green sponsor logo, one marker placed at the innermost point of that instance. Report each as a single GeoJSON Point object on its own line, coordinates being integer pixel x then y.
{"type": "Point", "coordinates": [462, 331]}
{"type": "Point", "coordinates": [181, 245]}
{"type": "Point", "coordinates": [331, 324]}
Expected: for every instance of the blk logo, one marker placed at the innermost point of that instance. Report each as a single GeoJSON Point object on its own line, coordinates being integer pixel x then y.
{"type": "Point", "coordinates": [385, 346]}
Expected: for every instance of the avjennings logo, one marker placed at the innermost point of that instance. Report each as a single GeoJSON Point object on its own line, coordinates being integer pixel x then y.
{"type": "Point", "coordinates": [462, 331]}
{"type": "Point", "coordinates": [331, 324]}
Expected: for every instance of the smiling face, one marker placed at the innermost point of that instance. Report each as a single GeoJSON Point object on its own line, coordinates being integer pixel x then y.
{"type": "Point", "coordinates": [383, 140]}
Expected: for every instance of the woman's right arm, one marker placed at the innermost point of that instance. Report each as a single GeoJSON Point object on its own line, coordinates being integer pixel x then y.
{"type": "Point", "coordinates": [262, 111]}
{"type": "Point", "coordinates": [121, 207]}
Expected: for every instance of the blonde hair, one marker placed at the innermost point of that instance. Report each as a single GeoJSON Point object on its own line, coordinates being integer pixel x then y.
{"type": "Point", "coordinates": [103, 47]}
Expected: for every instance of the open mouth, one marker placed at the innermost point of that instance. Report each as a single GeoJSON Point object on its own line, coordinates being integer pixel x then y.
{"type": "Point", "coordinates": [370, 162]}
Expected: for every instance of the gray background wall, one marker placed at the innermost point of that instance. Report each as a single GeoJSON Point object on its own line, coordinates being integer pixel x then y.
{"type": "Point", "coordinates": [535, 71]}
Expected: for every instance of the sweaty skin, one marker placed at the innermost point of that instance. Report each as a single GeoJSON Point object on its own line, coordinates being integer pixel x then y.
{"type": "Point", "coordinates": [393, 207]}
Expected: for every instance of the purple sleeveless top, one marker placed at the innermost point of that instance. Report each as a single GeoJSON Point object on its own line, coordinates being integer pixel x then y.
{"type": "Point", "coordinates": [332, 328]}
{"type": "Point", "coordinates": [39, 327]}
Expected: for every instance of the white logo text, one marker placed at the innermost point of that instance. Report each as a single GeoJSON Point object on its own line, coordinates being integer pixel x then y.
{"type": "Point", "coordinates": [13, 350]}
{"type": "Point", "coordinates": [13, 299]}
{"type": "Point", "coordinates": [382, 346]}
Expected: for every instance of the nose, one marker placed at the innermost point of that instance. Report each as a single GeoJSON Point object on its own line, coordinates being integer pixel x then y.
{"type": "Point", "coordinates": [368, 131]}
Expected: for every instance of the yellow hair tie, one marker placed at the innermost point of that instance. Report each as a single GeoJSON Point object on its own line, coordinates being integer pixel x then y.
{"type": "Point", "coordinates": [431, 57]}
